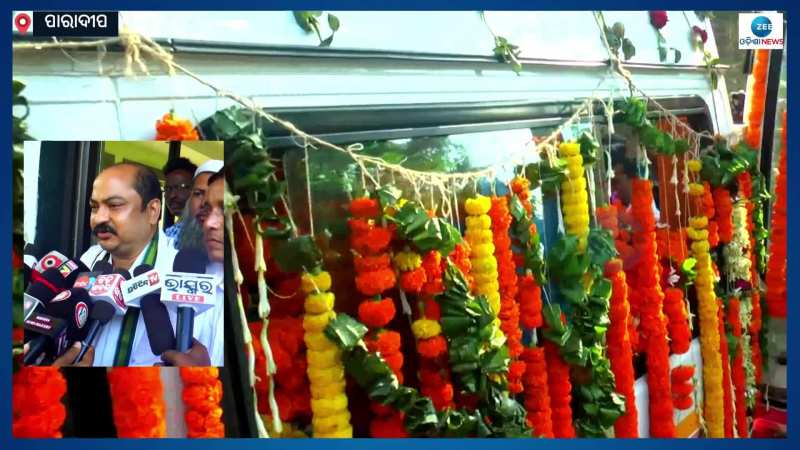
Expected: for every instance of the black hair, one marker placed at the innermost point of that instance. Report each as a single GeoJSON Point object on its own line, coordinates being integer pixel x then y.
{"type": "Point", "coordinates": [216, 176]}
{"type": "Point", "coordinates": [145, 183]}
{"type": "Point", "coordinates": [179, 164]}
{"type": "Point", "coordinates": [618, 158]}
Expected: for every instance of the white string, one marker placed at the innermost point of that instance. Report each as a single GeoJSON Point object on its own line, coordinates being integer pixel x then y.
{"type": "Point", "coordinates": [308, 190]}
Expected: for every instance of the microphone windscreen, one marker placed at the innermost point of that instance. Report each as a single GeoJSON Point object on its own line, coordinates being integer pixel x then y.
{"type": "Point", "coordinates": [125, 274]}
{"type": "Point", "coordinates": [103, 267]}
{"type": "Point", "coordinates": [40, 292]}
{"type": "Point", "coordinates": [142, 268]}
{"type": "Point", "coordinates": [157, 323]}
{"type": "Point", "coordinates": [102, 312]}
{"type": "Point", "coordinates": [190, 260]}
{"type": "Point", "coordinates": [73, 269]}
{"type": "Point", "coordinates": [51, 278]}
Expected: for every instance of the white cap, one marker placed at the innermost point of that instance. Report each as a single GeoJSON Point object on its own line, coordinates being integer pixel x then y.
{"type": "Point", "coordinates": [212, 165]}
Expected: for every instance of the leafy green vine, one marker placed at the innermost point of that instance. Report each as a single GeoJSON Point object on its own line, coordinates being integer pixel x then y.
{"type": "Point", "coordinates": [309, 21]}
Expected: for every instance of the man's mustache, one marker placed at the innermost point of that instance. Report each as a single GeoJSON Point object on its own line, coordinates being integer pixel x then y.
{"type": "Point", "coordinates": [103, 228]}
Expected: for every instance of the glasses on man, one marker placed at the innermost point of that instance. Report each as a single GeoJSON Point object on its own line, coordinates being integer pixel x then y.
{"type": "Point", "coordinates": [183, 187]}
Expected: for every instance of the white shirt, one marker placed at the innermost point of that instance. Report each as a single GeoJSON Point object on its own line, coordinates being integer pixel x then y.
{"type": "Point", "coordinates": [209, 327]}
{"type": "Point", "coordinates": [205, 329]}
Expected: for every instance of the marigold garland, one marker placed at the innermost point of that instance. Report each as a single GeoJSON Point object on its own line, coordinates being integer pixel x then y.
{"type": "Point", "coordinates": [675, 309]}
{"type": "Point", "coordinates": [756, 96]}
{"type": "Point", "coordinates": [714, 412]}
{"type": "Point", "coordinates": [529, 293]}
{"type": "Point", "coordinates": [620, 352]}
{"type": "Point", "coordinates": [202, 393]}
{"type": "Point", "coordinates": [574, 201]}
{"type": "Point", "coordinates": [710, 213]}
{"type": "Point", "coordinates": [727, 388]}
{"type": "Point", "coordinates": [286, 340]}
{"type": "Point", "coordinates": [776, 264]}
{"type": "Point", "coordinates": [560, 390]}
{"type": "Point", "coordinates": [537, 397]}
{"type": "Point", "coordinates": [737, 366]}
{"type": "Point", "coordinates": [137, 400]}
{"type": "Point", "coordinates": [37, 410]}
{"type": "Point", "coordinates": [653, 327]}
{"type": "Point", "coordinates": [723, 206]}
{"type": "Point", "coordinates": [683, 387]}
{"type": "Point", "coordinates": [507, 281]}
{"type": "Point", "coordinates": [484, 265]}
{"type": "Point", "coordinates": [173, 128]}
{"type": "Point", "coordinates": [330, 419]}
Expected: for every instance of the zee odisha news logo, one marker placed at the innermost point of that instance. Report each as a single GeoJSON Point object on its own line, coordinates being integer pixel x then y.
{"type": "Point", "coordinates": [761, 26]}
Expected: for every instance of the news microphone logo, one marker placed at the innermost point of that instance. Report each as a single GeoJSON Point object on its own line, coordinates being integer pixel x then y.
{"type": "Point", "coordinates": [67, 268]}
{"type": "Point", "coordinates": [137, 287]}
{"type": "Point", "coordinates": [191, 289]}
{"type": "Point", "coordinates": [61, 297]}
{"type": "Point", "coordinates": [81, 314]}
{"type": "Point", "coordinates": [108, 286]}
{"type": "Point", "coordinates": [51, 260]}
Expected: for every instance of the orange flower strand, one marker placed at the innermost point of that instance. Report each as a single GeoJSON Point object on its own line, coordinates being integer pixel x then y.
{"type": "Point", "coordinates": [202, 393]}
{"type": "Point", "coordinates": [138, 402]}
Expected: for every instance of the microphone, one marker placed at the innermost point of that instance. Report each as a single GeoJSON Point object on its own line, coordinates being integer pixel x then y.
{"type": "Point", "coordinates": [64, 322]}
{"type": "Point", "coordinates": [86, 280]}
{"type": "Point", "coordinates": [45, 286]}
{"type": "Point", "coordinates": [191, 290]}
{"type": "Point", "coordinates": [144, 281]}
{"type": "Point", "coordinates": [104, 267]}
{"type": "Point", "coordinates": [106, 288]}
{"type": "Point", "coordinates": [154, 313]}
{"type": "Point", "coordinates": [70, 270]}
{"type": "Point", "coordinates": [30, 256]}
{"type": "Point", "coordinates": [100, 315]}
{"type": "Point", "coordinates": [50, 260]}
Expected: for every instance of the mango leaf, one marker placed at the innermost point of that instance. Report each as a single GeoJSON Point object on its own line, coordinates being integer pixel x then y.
{"type": "Point", "coordinates": [345, 331]}
{"type": "Point", "coordinates": [600, 246]}
{"type": "Point", "coordinates": [628, 50]}
{"type": "Point", "coordinates": [333, 22]}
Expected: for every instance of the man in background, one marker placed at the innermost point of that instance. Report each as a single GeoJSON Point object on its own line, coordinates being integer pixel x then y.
{"type": "Point", "coordinates": [191, 233]}
{"type": "Point", "coordinates": [178, 173]}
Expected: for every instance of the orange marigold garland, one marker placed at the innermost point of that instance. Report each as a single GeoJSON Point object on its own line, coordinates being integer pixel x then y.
{"type": "Point", "coordinates": [202, 393]}
{"type": "Point", "coordinates": [683, 387]}
{"type": "Point", "coordinates": [375, 275]}
{"type": "Point", "coordinates": [723, 206]}
{"type": "Point", "coordinates": [737, 367]}
{"type": "Point", "coordinates": [137, 398]}
{"type": "Point", "coordinates": [173, 128]}
{"type": "Point", "coordinates": [710, 212]}
{"type": "Point", "coordinates": [620, 352]}
{"type": "Point", "coordinates": [507, 280]}
{"type": "Point", "coordinates": [653, 328]}
{"type": "Point", "coordinates": [675, 309]}
{"type": "Point", "coordinates": [776, 264]}
{"type": "Point", "coordinates": [560, 390]}
{"type": "Point", "coordinates": [37, 410]}
{"type": "Point", "coordinates": [537, 397]}
{"type": "Point", "coordinates": [756, 96]}
{"type": "Point", "coordinates": [727, 388]}
{"type": "Point", "coordinates": [529, 293]}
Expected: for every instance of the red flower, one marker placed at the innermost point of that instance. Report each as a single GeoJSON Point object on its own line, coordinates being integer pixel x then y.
{"type": "Point", "coordinates": [413, 280]}
{"type": "Point", "coordinates": [388, 427]}
{"type": "Point", "coordinates": [432, 309]}
{"type": "Point", "coordinates": [385, 342]}
{"type": "Point", "coordinates": [658, 19]}
{"type": "Point", "coordinates": [376, 281]}
{"type": "Point", "coordinates": [369, 263]}
{"type": "Point", "coordinates": [701, 33]}
{"type": "Point", "coordinates": [432, 347]}
{"type": "Point", "coordinates": [376, 313]}
{"type": "Point", "coordinates": [365, 208]}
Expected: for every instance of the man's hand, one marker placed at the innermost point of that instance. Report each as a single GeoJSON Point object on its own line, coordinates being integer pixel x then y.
{"type": "Point", "coordinates": [196, 356]}
{"type": "Point", "coordinates": [69, 356]}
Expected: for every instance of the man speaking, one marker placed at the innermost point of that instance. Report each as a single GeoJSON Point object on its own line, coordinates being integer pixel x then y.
{"type": "Point", "coordinates": [125, 212]}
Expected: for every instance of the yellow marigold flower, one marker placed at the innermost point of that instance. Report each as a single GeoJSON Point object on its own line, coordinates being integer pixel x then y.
{"type": "Point", "coordinates": [483, 278]}
{"type": "Point", "coordinates": [482, 250]}
{"type": "Point", "coordinates": [330, 423]}
{"type": "Point", "coordinates": [406, 261]}
{"type": "Point", "coordinates": [488, 288]}
{"type": "Point", "coordinates": [577, 220]}
{"type": "Point", "coordinates": [494, 302]}
{"type": "Point", "coordinates": [700, 247]}
{"type": "Point", "coordinates": [575, 161]}
{"type": "Point", "coordinates": [698, 222]}
{"type": "Point", "coordinates": [574, 186]}
{"type": "Point", "coordinates": [329, 406]}
{"type": "Point", "coordinates": [311, 283]}
{"type": "Point", "coordinates": [343, 433]}
{"type": "Point", "coordinates": [575, 200]}
{"type": "Point", "coordinates": [327, 390]}
{"type": "Point", "coordinates": [482, 222]}
{"type": "Point", "coordinates": [324, 359]}
{"type": "Point", "coordinates": [319, 303]}
{"type": "Point", "coordinates": [695, 165]}
{"type": "Point", "coordinates": [329, 375]}
{"type": "Point", "coordinates": [696, 189]}
{"type": "Point", "coordinates": [426, 328]}
{"type": "Point", "coordinates": [315, 323]}
{"type": "Point", "coordinates": [484, 265]}
{"type": "Point", "coordinates": [478, 205]}
{"type": "Point", "coordinates": [569, 149]}
{"type": "Point", "coordinates": [318, 341]}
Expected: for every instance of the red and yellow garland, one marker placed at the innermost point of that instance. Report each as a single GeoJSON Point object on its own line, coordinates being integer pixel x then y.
{"type": "Point", "coordinates": [653, 327]}
{"type": "Point", "coordinates": [202, 393]}
{"type": "Point", "coordinates": [37, 410]}
{"type": "Point", "coordinates": [776, 265]}
{"type": "Point", "coordinates": [137, 398]}
{"type": "Point", "coordinates": [620, 352]}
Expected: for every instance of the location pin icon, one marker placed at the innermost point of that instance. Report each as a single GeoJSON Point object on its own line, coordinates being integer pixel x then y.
{"type": "Point", "coordinates": [22, 22]}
